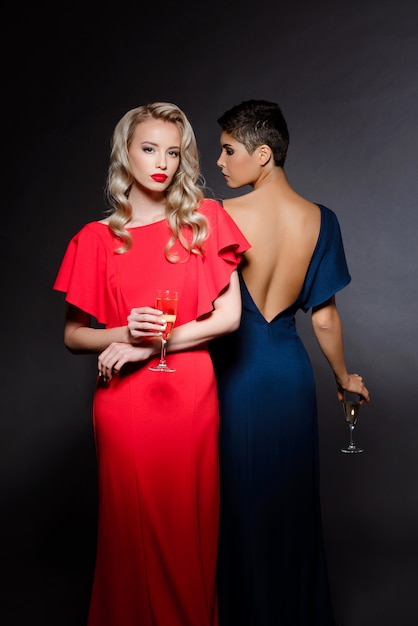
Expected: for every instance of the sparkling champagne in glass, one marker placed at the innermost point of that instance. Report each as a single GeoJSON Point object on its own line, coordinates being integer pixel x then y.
{"type": "Point", "coordinates": [166, 301]}
{"type": "Point", "coordinates": [351, 410]}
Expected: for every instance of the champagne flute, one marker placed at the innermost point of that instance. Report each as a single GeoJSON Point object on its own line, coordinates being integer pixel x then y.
{"type": "Point", "coordinates": [166, 301]}
{"type": "Point", "coordinates": [351, 410]}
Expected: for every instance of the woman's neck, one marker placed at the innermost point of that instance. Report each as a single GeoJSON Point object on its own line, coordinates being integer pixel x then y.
{"type": "Point", "coordinates": [147, 208]}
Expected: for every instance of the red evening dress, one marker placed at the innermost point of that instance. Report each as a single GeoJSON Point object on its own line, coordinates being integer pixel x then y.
{"type": "Point", "coordinates": [156, 434]}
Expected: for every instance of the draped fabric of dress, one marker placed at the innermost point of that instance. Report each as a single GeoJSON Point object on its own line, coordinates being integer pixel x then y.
{"type": "Point", "coordinates": [271, 563]}
{"type": "Point", "coordinates": [156, 434]}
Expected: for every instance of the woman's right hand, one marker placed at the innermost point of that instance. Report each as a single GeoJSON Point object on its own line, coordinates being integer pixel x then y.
{"type": "Point", "coordinates": [143, 322]}
{"type": "Point", "coordinates": [116, 355]}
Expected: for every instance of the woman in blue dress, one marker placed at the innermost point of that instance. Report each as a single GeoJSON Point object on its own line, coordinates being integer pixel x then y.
{"type": "Point", "coordinates": [271, 567]}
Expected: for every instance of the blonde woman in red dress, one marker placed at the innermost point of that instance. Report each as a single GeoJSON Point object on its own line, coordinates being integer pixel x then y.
{"type": "Point", "coordinates": [156, 434]}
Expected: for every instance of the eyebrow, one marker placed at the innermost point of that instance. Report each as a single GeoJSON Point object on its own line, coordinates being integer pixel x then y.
{"type": "Point", "coordinates": [151, 143]}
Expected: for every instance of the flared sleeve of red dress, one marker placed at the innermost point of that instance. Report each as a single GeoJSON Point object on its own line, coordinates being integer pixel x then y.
{"type": "Point", "coordinates": [85, 270]}
{"type": "Point", "coordinates": [223, 252]}
{"type": "Point", "coordinates": [94, 277]}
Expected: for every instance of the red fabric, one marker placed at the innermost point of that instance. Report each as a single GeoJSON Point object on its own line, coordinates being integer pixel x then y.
{"type": "Point", "coordinates": [156, 434]}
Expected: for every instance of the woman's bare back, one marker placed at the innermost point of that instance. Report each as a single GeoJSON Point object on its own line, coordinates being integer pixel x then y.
{"type": "Point", "coordinates": [283, 229]}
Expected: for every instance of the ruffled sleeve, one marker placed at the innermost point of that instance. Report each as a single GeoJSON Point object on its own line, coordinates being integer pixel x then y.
{"type": "Point", "coordinates": [223, 252]}
{"type": "Point", "coordinates": [328, 272]}
{"type": "Point", "coordinates": [83, 273]}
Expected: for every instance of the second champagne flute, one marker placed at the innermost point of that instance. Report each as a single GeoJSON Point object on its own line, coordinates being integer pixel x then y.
{"type": "Point", "coordinates": [166, 301]}
{"type": "Point", "coordinates": [351, 406]}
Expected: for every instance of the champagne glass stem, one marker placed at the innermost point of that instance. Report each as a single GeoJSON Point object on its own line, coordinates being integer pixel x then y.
{"type": "Point", "coordinates": [352, 445]}
{"type": "Point", "coordinates": [163, 352]}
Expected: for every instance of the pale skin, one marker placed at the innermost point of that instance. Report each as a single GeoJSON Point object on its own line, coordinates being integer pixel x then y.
{"type": "Point", "coordinates": [282, 228]}
{"type": "Point", "coordinates": [155, 149]}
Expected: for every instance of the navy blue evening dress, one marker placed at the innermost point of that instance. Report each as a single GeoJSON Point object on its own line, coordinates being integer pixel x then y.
{"type": "Point", "coordinates": [271, 566]}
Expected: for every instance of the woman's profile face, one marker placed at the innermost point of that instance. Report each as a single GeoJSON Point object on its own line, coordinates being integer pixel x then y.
{"type": "Point", "coordinates": [154, 154]}
{"type": "Point", "coordinates": [238, 167]}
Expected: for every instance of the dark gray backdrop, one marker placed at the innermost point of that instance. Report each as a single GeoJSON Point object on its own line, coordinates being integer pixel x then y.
{"type": "Point", "coordinates": [346, 76]}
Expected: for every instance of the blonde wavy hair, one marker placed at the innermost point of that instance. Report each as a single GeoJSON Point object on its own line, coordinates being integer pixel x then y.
{"type": "Point", "coordinates": [183, 196]}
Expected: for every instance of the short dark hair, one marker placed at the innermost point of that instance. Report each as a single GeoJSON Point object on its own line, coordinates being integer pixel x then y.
{"type": "Point", "coordinates": [257, 122]}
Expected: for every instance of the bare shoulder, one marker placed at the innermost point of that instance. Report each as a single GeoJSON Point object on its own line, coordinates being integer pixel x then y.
{"type": "Point", "coordinates": [288, 205]}
{"type": "Point", "coordinates": [247, 200]}
{"type": "Point", "coordinates": [303, 205]}
{"type": "Point", "coordinates": [298, 206]}
{"type": "Point", "coordinates": [245, 207]}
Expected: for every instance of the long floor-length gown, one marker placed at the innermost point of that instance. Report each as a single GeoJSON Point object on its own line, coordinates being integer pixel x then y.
{"type": "Point", "coordinates": [271, 568]}
{"type": "Point", "coordinates": [156, 434]}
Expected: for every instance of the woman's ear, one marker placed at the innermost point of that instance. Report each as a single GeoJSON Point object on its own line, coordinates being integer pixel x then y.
{"type": "Point", "coordinates": [264, 154]}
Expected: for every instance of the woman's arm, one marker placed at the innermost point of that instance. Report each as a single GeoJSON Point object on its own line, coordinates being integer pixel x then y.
{"type": "Point", "coordinates": [222, 320]}
{"type": "Point", "coordinates": [327, 327]}
{"type": "Point", "coordinates": [81, 338]}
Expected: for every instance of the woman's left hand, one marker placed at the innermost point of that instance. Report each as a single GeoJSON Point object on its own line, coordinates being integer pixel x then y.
{"type": "Point", "coordinates": [354, 384]}
{"type": "Point", "coordinates": [116, 355]}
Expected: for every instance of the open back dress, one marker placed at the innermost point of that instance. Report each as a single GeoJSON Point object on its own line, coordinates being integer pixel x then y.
{"type": "Point", "coordinates": [271, 569]}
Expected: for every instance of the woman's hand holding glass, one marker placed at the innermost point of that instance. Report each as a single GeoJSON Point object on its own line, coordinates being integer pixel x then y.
{"type": "Point", "coordinates": [145, 328]}
{"type": "Point", "coordinates": [145, 322]}
{"type": "Point", "coordinates": [353, 384]}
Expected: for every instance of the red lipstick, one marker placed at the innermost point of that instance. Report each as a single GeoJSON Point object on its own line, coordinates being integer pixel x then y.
{"type": "Point", "coordinates": [159, 178]}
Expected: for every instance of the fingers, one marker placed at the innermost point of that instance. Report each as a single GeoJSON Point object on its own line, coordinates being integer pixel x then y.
{"type": "Point", "coordinates": [357, 385]}
{"type": "Point", "coordinates": [353, 384]}
{"type": "Point", "coordinates": [340, 395]}
{"type": "Point", "coordinates": [145, 322]}
{"type": "Point", "coordinates": [363, 392]}
{"type": "Point", "coordinates": [111, 361]}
